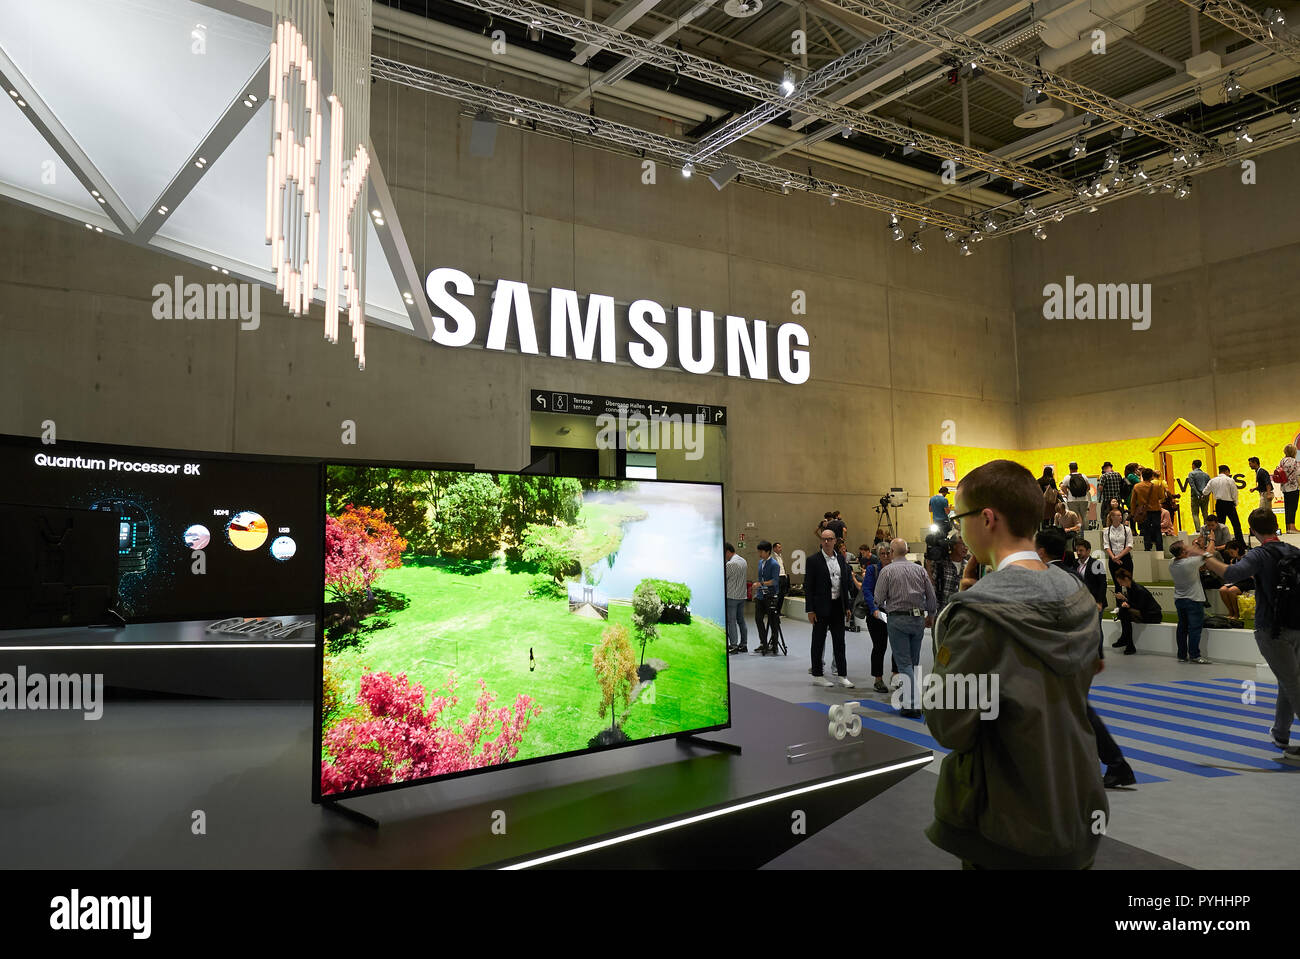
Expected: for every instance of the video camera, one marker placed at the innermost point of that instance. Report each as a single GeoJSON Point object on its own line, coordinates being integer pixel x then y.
{"type": "Point", "coordinates": [939, 543]}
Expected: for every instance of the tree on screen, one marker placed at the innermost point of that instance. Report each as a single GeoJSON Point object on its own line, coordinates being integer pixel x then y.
{"type": "Point", "coordinates": [615, 663]}
{"type": "Point", "coordinates": [646, 610]}
{"type": "Point", "coordinates": [553, 548]}
{"type": "Point", "coordinates": [359, 545]}
{"type": "Point", "coordinates": [536, 500]}
{"type": "Point", "coordinates": [399, 739]}
{"type": "Point", "coordinates": [469, 517]}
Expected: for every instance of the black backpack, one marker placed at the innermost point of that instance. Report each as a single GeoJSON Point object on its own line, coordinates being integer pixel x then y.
{"type": "Point", "coordinates": [1286, 591]}
{"type": "Point", "coordinates": [1078, 485]}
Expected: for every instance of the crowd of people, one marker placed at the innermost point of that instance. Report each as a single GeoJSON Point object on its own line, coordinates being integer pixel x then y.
{"type": "Point", "coordinates": [1010, 588]}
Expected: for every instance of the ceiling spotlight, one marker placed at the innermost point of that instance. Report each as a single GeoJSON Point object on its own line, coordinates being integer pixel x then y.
{"type": "Point", "coordinates": [1184, 189]}
{"type": "Point", "coordinates": [1035, 91]}
{"type": "Point", "coordinates": [253, 97]}
{"type": "Point", "coordinates": [916, 243]}
{"type": "Point", "coordinates": [89, 227]}
{"type": "Point", "coordinates": [909, 148]}
{"type": "Point", "coordinates": [1027, 208]}
{"type": "Point", "coordinates": [834, 196]}
{"type": "Point", "coordinates": [1179, 156]}
{"type": "Point", "coordinates": [1092, 209]}
{"type": "Point", "coordinates": [1139, 175]}
{"type": "Point", "coordinates": [963, 248]}
{"type": "Point", "coordinates": [1231, 88]}
{"type": "Point", "coordinates": [99, 229]}
{"type": "Point", "coordinates": [101, 200]}
{"type": "Point", "coordinates": [897, 233]}
{"type": "Point", "coordinates": [1078, 147]}
{"type": "Point", "coordinates": [214, 268]}
{"type": "Point", "coordinates": [1242, 134]}
{"type": "Point", "coordinates": [22, 104]}
{"type": "Point", "coordinates": [162, 209]}
{"type": "Point", "coordinates": [1274, 17]}
{"type": "Point", "coordinates": [950, 235]}
{"type": "Point", "coordinates": [1058, 216]}
{"type": "Point", "coordinates": [1098, 187]}
{"type": "Point", "coordinates": [248, 103]}
{"type": "Point", "coordinates": [1167, 186]}
{"type": "Point", "coordinates": [94, 193]}
{"type": "Point", "coordinates": [990, 224]}
{"type": "Point", "coordinates": [787, 81]}
{"type": "Point", "coordinates": [1128, 133]}
{"type": "Point", "coordinates": [688, 168]}
{"type": "Point", "coordinates": [14, 94]}
{"type": "Point", "coordinates": [1112, 160]}
{"type": "Point", "coordinates": [785, 187]}
{"type": "Point", "coordinates": [1039, 232]}
{"type": "Point", "coordinates": [1081, 190]}
{"type": "Point", "coordinates": [535, 31]}
{"type": "Point", "coordinates": [893, 219]}
{"type": "Point", "coordinates": [1294, 111]}
{"type": "Point", "coordinates": [846, 131]}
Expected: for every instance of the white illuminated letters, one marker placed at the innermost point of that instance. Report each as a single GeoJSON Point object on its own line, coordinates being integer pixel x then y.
{"type": "Point", "coordinates": [792, 365]}
{"type": "Point", "coordinates": [436, 286]}
{"type": "Point", "coordinates": [755, 350]}
{"type": "Point", "coordinates": [594, 333]}
{"type": "Point", "coordinates": [512, 298]}
{"type": "Point", "coordinates": [566, 316]}
{"type": "Point", "coordinates": [640, 315]}
{"type": "Point", "coordinates": [686, 337]}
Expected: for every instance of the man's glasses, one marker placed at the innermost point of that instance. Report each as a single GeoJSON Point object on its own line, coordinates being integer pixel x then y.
{"type": "Point", "coordinates": [956, 520]}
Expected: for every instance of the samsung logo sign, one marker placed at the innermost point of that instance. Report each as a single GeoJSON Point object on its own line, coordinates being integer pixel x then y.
{"type": "Point", "coordinates": [594, 335]}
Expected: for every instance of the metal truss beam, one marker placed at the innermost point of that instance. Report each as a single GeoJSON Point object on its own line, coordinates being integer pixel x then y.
{"type": "Point", "coordinates": [1243, 20]}
{"type": "Point", "coordinates": [774, 102]}
{"type": "Point", "coordinates": [990, 58]}
{"type": "Point", "coordinates": [581, 127]}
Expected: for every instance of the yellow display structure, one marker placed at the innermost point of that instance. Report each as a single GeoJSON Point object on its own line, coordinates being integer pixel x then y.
{"type": "Point", "coordinates": [1171, 453]}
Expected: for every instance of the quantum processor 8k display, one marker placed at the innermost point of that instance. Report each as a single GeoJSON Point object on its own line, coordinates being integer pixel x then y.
{"type": "Point", "coordinates": [477, 619]}
{"type": "Point", "coordinates": [199, 535]}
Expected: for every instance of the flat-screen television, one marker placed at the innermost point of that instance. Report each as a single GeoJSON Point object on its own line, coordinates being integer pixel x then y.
{"type": "Point", "coordinates": [58, 568]}
{"type": "Point", "coordinates": [478, 619]}
{"type": "Point", "coordinates": [199, 535]}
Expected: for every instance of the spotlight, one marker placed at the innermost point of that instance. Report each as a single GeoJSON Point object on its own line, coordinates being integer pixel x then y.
{"type": "Point", "coordinates": [723, 175]}
{"type": "Point", "coordinates": [893, 219]}
{"type": "Point", "coordinates": [917, 247]}
{"type": "Point", "coordinates": [1242, 134]}
{"type": "Point", "coordinates": [1080, 190]}
{"type": "Point", "coordinates": [1092, 209]}
{"type": "Point", "coordinates": [1098, 187]}
{"type": "Point", "coordinates": [1179, 156]}
{"type": "Point", "coordinates": [963, 248]}
{"type": "Point", "coordinates": [1112, 160]}
{"type": "Point", "coordinates": [1167, 186]}
{"type": "Point", "coordinates": [1274, 17]}
{"type": "Point", "coordinates": [834, 196]}
{"type": "Point", "coordinates": [1184, 189]}
{"type": "Point", "coordinates": [1294, 111]}
{"type": "Point", "coordinates": [990, 224]}
{"type": "Point", "coordinates": [1058, 216]}
{"type": "Point", "coordinates": [846, 131]}
{"type": "Point", "coordinates": [1231, 88]}
{"type": "Point", "coordinates": [688, 168]}
{"type": "Point", "coordinates": [785, 188]}
{"type": "Point", "coordinates": [1139, 175]}
{"type": "Point", "coordinates": [1035, 91]}
{"type": "Point", "coordinates": [787, 81]}
{"type": "Point", "coordinates": [1128, 133]}
{"type": "Point", "coordinates": [1078, 147]}
{"type": "Point", "coordinates": [897, 233]}
{"type": "Point", "coordinates": [162, 210]}
{"type": "Point", "coordinates": [909, 148]}
{"type": "Point", "coordinates": [535, 31]}
{"type": "Point", "coordinates": [1027, 208]}
{"type": "Point", "coordinates": [950, 235]}
{"type": "Point", "coordinates": [1193, 159]}
{"type": "Point", "coordinates": [1039, 232]}
{"type": "Point", "coordinates": [977, 237]}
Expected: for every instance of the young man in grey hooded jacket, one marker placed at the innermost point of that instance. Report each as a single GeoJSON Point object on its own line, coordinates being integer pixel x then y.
{"type": "Point", "coordinates": [1022, 788]}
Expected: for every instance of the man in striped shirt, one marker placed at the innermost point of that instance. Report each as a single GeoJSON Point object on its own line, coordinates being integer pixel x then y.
{"type": "Point", "coordinates": [906, 596]}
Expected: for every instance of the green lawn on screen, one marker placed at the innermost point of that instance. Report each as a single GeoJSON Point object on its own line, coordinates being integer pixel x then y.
{"type": "Point", "coordinates": [482, 625]}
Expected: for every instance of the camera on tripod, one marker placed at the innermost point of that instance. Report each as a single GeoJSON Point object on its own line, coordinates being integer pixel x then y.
{"type": "Point", "coordinates": [939, 544]}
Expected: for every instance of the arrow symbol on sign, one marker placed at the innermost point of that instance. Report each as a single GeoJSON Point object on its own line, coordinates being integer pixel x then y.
{"type": "Point", "coordinates": [541, 401]}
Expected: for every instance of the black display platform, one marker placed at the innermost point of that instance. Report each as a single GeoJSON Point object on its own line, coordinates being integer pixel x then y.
{"type": "Point", "coordinates": [124, 792]}
{"type": "Point", "coordinates": [176, 658]}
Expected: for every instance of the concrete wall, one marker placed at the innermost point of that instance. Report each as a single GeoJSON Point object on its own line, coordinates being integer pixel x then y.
{"type": "Point", "coordinates": [900, 342]}
{"type": "Point", "coordinates": [1221, 347]}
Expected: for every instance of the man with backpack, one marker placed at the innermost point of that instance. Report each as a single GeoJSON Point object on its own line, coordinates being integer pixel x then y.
{"type": "Point", "coordinates": [1275, 567]}
{"type": "Point", "coordinates": [1076, 489]}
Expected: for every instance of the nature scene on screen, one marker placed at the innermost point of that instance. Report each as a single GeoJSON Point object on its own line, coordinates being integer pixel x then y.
{"type": "Point", "coordinates": [474, 619]}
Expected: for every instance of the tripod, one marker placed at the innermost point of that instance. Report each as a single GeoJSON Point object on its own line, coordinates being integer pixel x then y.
{"type": "Point", "coordinates": [776, 639]}
{"type": "Point", "coordinates": [883, 522]}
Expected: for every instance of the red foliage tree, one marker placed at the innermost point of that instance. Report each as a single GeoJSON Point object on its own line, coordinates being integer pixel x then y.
{"type": "Point", "coordinates": [401, 740]}
{"type": "Point", "coordinates": [359, 546]}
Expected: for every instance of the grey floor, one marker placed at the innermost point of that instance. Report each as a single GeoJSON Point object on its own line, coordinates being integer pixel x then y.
{"type": "Point", "coordinates": [1212, 793]}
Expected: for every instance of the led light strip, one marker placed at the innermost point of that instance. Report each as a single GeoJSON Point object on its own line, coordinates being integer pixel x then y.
{"type": "Point", "coordinates": [714, 814]}
{"type": "Point", "coordinates": [135, 646]}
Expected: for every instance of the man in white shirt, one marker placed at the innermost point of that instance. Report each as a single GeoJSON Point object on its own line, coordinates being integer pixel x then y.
{"type": "Point", "coordinates": [1189, 599]}
{"type": "Point", "coordinates": [1224, 490]}
{"type": "Point", "coordinates": [735, 575]}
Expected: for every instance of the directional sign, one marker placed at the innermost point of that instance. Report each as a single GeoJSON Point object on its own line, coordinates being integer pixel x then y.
{"type": "Point", "coordinates": [587, 404]}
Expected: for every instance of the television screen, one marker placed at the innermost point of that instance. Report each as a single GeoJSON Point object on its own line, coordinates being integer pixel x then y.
{"type": "Point", "coordinates": [199, 535]}
{"type": "Point", "coordinates": [475, 619]}
{"type": "Point", "coordinates": [59, 567]}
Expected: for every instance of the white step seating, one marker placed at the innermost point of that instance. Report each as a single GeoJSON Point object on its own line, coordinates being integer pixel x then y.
{"type": "Point", "coordinates": [1234, 646]}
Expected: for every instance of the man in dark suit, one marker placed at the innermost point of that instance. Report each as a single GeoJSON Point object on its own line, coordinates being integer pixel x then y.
{"type": "Point", "coordinates": [826, 586]}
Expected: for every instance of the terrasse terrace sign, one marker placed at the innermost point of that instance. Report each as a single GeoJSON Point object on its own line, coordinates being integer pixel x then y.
{"type": "Point", "coordinates": [594, 337]}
